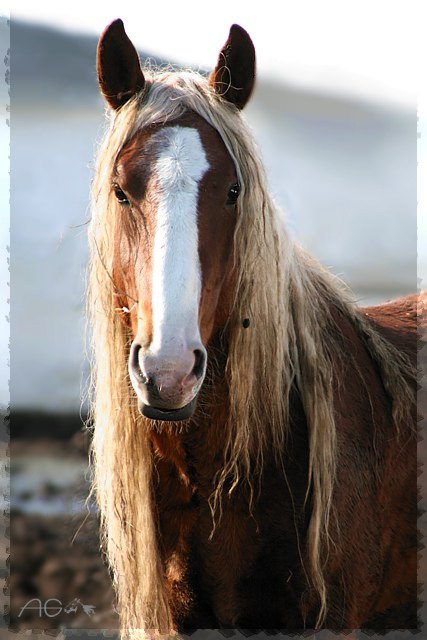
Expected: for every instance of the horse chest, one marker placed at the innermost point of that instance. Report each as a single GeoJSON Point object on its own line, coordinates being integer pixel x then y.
{"type": "Point", "coordinates": [249, 570]}
{"type": "Point", "coordinates": [245, 570]}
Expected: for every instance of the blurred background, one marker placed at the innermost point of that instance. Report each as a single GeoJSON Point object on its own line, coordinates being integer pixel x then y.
{"type": "Point", "coordinates": [335, 117]}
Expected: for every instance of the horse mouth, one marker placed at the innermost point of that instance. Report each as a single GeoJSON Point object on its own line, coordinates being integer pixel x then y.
{"type": "Point", "coordinates": [168, 415]}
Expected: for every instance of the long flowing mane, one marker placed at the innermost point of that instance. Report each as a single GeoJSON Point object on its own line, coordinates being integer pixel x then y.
{"type": "Point", "coordinates": [294, 342]}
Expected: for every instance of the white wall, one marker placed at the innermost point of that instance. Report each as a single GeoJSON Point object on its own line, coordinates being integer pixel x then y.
{"type": "Point", "coordinates": [346, 176]}
{"type": "Point", "coordinates": [51, 157]}
{"type": "Point", "coordinates": [4, 215]}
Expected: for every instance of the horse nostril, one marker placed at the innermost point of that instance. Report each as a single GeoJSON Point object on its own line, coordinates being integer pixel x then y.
{"type": "Point", "coordinates": [148, 381]}
{"type": "Point", "coordinates": [133, 358]}
{"type": "Point", "coordinates": [199, 364]}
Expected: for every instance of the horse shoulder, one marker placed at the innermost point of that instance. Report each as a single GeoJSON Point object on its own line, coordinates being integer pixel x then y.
{"type": "Point", "coordinates": [376, 483]}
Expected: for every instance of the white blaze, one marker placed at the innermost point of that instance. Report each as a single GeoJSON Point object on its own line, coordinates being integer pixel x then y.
{"type": "Point", "coordinates": [176, 282]}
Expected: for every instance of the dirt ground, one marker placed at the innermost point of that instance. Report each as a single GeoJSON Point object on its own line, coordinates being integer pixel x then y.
{"type": "Point", "coordinates": [57, 575]}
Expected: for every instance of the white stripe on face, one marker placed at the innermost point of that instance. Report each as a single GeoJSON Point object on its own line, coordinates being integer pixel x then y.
{"type": "Point", "coordinates": [176, 267]}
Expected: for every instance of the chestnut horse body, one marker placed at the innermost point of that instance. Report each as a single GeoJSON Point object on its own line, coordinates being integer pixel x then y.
{"type": "Point", "coordinates": [260, 469]}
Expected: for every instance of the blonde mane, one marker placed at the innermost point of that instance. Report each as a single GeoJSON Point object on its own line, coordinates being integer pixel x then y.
{"type": "Point", "coordinates": [286, 295]}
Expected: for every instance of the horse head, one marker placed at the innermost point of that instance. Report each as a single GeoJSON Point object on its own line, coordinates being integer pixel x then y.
{"type": "Point", "coordinates": [176, 189]}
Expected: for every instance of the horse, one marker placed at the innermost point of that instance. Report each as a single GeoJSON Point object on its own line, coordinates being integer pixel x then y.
{"type": "Point", "coordinates": [254, 430]}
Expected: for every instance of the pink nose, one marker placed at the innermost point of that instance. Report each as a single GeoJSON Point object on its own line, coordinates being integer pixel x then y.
{"type": "Point", "coordinates": [167, 381]}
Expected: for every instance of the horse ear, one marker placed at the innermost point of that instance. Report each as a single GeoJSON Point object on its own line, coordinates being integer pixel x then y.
{"type": "Point", "coordinates": [119, 71]}
{"type": "Point", "coordinates": [234, 75]}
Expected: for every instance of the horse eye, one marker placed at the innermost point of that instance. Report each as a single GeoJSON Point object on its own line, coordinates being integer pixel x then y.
{"type": "Point", "coordinates": [120, 195]}
{"type": "Point", "coordinates": [233, 193]}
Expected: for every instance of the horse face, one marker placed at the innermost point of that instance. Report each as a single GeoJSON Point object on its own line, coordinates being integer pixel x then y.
{"type": "Point", "coordinates": [177, 190]}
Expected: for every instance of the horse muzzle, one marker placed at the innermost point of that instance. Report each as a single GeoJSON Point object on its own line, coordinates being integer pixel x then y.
{"type": "Point", "coordinates": [167, 384]}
